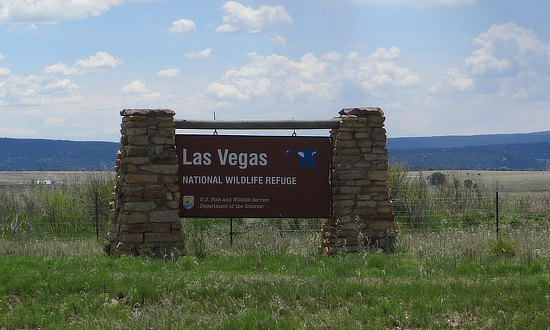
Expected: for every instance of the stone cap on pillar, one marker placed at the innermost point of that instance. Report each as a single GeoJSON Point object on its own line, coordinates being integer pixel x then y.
{"type": "Point", "coordinates": [148, 112]}
{"type": "Point", "coordinates": [362, 112]}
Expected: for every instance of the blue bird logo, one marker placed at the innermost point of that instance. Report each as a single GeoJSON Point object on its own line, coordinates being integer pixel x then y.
{"type": "Point", "coordinates": [305, 157]}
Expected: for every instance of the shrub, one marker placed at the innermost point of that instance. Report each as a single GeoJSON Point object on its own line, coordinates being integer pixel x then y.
{"type": "Point", "coordinates": [515, 221]}
{"type": "Point", "coordinates": [475, 218]}
{"type": "Point", "coordinates": [398, 181]}
{"type": "Point", "coordinates": [437, 179]}
{"type": "Point", "coordinates": [469, 184]}
{"type": "Point", "coordinates": [504, 247]}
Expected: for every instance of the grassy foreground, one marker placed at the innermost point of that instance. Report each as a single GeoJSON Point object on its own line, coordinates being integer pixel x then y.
{"type": "Point", "coordinates": [259, 289]}
{"type": "Point", "coordinates": [447, 272]}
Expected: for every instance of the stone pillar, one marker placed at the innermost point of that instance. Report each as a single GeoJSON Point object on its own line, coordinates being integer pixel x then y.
{"type": "Point", "coordinates": [361, 207]}
{"type": "Point", "coordinates": [145, 209]}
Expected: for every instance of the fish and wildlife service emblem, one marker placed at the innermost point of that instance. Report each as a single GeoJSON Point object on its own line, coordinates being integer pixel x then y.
{"type": "Point", "coordinates": [188, 202]}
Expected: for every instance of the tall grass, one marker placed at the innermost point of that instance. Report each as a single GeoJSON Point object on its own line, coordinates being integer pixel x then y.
{"type": "Point", "coordinates": [461, 202]}
{"type": "Point", "coordinates": [461, 205]}
{"type": "Point", "coordinates": [44, 211]}
{"type": "Point", "coordinates": [69, 211]}
{"type": "Point", "coordinates": [265, 236]}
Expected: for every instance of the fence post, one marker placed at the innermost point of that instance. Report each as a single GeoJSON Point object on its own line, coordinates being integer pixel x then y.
{"type": "Point", "coordinates": [496, 210]}
{"type": "Point", "coordinates": [231, 231]}
{"type": "Point", "coordinates": [96, 201]}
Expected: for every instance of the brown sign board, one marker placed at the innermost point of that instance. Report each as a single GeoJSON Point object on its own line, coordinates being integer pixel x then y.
{"type": "Point", "coordinates": [254, 176]}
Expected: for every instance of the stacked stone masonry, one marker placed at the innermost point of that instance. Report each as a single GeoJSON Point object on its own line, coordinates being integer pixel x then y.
{"type": "Point", "coordinates": [145, 209]}
{"type": "Point", "coordinates": [361, 207]}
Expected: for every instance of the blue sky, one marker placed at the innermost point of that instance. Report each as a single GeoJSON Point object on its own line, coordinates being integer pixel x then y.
{"type": "Point", "coordinates": [436, 67]}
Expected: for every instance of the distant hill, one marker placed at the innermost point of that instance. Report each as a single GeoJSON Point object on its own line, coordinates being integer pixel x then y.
{"type": "Point", "coordinates": [457, 141]}
{"type": "Point", "coordinates": [54, 155]}
{"type": "Point", "coordinates": [517, 156]}
{"type": "Point", "coordinates": [524, 151]}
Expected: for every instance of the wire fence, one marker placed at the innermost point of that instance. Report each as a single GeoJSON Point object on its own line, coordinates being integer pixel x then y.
{"type": "Point", "coordinates": [495, 211]}
{"type": "Point", "coordinates": [70, 210]}
{"type": "Point", "coordinates": [502, 214]}
{"type": "Point", "coordinates": [65, 213]}
{"type": "Point", "coordinates": [82, 220]}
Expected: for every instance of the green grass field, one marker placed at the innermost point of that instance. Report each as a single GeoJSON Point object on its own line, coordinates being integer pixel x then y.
{"type": "Point", "coordinates": [278, 290]}
{"type": "Point", "coordinates": [456, 275]}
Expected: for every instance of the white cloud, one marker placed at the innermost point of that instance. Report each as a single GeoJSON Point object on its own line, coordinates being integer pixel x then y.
{"type": "Point", "coordinates": [154, 96]}
{"type": "Point", "coordinates": [33, 113]}
{"type": "Point", "coordinates": [241, 18]}
{"type": "Point", "coordinates": [64, 84]}
{"type": "Point", "coordinates": [482, 62]}
{"type": "Point", "coordinates": [310, 67]}
{"type": "Point", "coordinates": [17, 131]}
{"type": "Point", "coordinates": [429, 100]}
{"type": "Point", "coordinates": [205, 53]}
{"type": "Point", "coordinates": [311, 78]}
{"type": "Point", "coordinates": [101, 60]}
{"type": "Point", "coordinates": [279, 39]}
{"type": "Point", "coordinates": [523, 86]}
{"type": "Point", "coordinates": [182, 26]}
{"type": "Point", "coordinates": [4, 71]}
{"type": "Point", "coordinates": [61, 68]}
{"type": "Point", "coordinates": [332, 56]}
{"type": "Point", "coordinates": [383, 54]}
{"type": "Point", "coordinates": [38, 90]}
{"type": "Point", "coordinates": [378, 73]}
{"type": "Point", "coordinates": [225, 92]}
{"type": "Point", "coordinates": [38, 100]}
{"type": "Point", "coordinates": [521, 94]}
{"type": "Point", "coordinates": [169, 73]}
{"type": "Point", "coordinates": [28, 92]}
{"type": "Point", "coordinates": [51, 11]}
{"type": "Point", "coordinates": [98, 61]}
{"type": "Point", "coordinates": [459, 80]}
{"type": "Point", "coordinates": [136, 86]}
{"type": "Point", "coordinates": [1, 56]}
{"type": "Point", "coordinates": [506, 49]}
{"type": "Point", "coordinates": [142, 96]}
{"type": "Point", "coordinates": [278, 76]}
{"type": "Point", "coordinates": [18, 86]}
{"type": "Point", "coordinates": [402, 77]}
{"type": "Point", "coordinates": [453, 80]}
{"type": "Point", "coordinates": [54, 121]}
{"type": "Point", "coordinates": [511, 62]}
